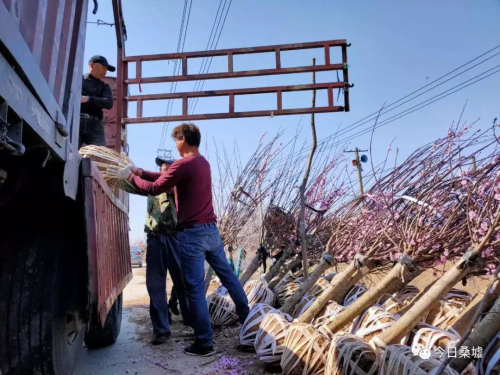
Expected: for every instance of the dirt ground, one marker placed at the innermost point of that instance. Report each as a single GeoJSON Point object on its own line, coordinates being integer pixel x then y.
{"type": "Point", "coordinates": [133, 354]}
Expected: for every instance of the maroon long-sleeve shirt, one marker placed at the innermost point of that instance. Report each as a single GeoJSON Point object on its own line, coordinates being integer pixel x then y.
{"type": "Point", "coordinates": [191, 177]}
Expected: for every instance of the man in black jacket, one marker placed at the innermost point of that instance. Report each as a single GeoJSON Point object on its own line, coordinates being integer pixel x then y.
{"type": "Point", "coordinates": [96, 95]}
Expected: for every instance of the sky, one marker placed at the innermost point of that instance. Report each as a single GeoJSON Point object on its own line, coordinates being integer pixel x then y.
{"type": "Point", "coordinates": [397, 47]}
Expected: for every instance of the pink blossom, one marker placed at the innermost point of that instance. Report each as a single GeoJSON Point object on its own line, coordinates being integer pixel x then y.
{"type": "Point", "coordinates": [486, 253]}
{"type": "Point", "coordinates": [484, 226]}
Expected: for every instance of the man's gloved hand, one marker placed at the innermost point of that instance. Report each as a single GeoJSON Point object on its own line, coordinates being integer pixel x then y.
{"type": "Point", "coordinates": [120, 173]}
{"type": "Point", "coordinates": [128, 163]}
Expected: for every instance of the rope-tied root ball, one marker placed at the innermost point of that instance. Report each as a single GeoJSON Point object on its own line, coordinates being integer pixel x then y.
{"type": "Point", "coordinates": [305, 350]}
{"type": "Point", "coordinates": [221, 309]}
{"type": "Point", "coordinates": [348, 354]}
{"type": "Point", "coordinates": [258, 291]}
{"type": "Point", "coordinates": [303, 305]}
{"type": "Point", "coordinates": [248, 331]}
{"type": "Point", "coordinates": [399, 359]}
{"type": "Point", "coordinates": [271, 336]}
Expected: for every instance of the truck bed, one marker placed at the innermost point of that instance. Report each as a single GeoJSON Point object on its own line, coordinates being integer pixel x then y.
{"type": "Point", "coordinates": [106, 220]}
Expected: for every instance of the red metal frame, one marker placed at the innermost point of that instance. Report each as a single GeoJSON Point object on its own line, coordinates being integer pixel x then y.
{"type": "Point", "coordinates": [122, 69]}
{"type": "Point", "coordinates": [230, 53]}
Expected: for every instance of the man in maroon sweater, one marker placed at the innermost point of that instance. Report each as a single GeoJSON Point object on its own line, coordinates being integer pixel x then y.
{"type": "Point", "coordinates": [198, 236]}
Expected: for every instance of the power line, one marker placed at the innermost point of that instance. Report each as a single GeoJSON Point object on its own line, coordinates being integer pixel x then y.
{"type": "Point", "coordinates": [195, 102]}
{"type": "Point", "coordinates": [372, 116]}
{"type": "Point", "coordinates": [404, 113]}
{"type": "Point", "coordinates": [420, 106]}
{"type": "Point", "coordinates": [344, 131]}
{"type": "Point", "coordinates": [210, 41]}
{"type": "Point", "coordinates": [181, 40]}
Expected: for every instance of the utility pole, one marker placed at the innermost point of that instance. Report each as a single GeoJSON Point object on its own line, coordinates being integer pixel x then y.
{"type": "Point", "coordinates": [357, 164]}
{"type": "Point", "coordinates": [164, 153]}
{"type": "Point", "coordinates": [474, 164]}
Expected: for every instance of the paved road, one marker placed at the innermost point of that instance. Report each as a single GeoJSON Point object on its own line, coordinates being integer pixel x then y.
{"type": "Point", "coordinates": [132, 353]}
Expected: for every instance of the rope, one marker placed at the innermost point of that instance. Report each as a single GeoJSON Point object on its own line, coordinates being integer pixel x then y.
{"type": "Point", "coordinates": [251, 325]}
{"type": "Point", "coordinates": [271, 336]}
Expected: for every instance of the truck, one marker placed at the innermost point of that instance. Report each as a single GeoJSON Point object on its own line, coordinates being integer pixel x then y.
{"type": "Point", "coordinates": [64, 245]}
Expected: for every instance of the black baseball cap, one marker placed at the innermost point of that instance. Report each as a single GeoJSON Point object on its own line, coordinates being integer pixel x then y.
{"type": "Point", "coordinates": [160, 161]}
{"type": "Point", "coordinates": [103, 61]}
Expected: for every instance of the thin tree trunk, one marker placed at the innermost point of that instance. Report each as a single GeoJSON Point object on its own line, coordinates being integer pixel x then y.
{"type": "Point", "coordinates": [395, 279]}
{"type": "Point", "coordinates": [481, 336]}
{"type": "Point", "coordinates": [339, 286]}
{"type": "Point", "coordinates": [302, 224]}
{"type": "Point", "coordinates": [485, 304]}
{"type": "Point", "coordinates": [412, 317]}
{"type": "Point", "coordinates": [277, 266]}
{"type": "Point", "coordinates": [286, 268]}
{"type": "Point", "coordinates": [250, 270]}
{"type": "Point", "coordinates": [290, 304]}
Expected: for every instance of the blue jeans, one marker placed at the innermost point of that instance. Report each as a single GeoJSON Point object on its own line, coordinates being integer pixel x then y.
{"type": "Point", "coordinates": [197, 244]}
{"type": "Point", "coordinates": [163, 255]}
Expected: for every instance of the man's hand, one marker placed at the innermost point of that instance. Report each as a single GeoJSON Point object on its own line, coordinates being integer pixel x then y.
{"type": "Point", "coordinates": [84, 99]}
{"type": "Point", "coordinates": [128, 163]}
{"type": "Point", "coordinates": [118, 172]}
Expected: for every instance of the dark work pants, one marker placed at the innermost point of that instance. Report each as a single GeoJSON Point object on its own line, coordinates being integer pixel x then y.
{"type": "Point", "coordinates": [91, 132]}
{"type": "Point", "coordinates": [173, 297]}
{"type": "Point", "coordinates": [163, 255]}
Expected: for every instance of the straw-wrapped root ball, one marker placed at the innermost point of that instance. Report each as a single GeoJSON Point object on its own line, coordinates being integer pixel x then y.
{"type": "Point", "coordinates": [288, 278]}
{"type": "Point", "coordinates": [319, 286]}
{"type": "Point", "coordinates": [271, 336]}
{"type": "Point", "coordinates": [458, 297]}
{"type": "Point", "coordinates": [248, 331]}
{"type": "Point", "coordinates": [348, 354]}
{"type": "Point", "coordinates": [327, 314]}
{"type": "Point", "coordinates": [399, 359]}
{"type": "Point", "coordinates": [303, 305]}
{"type": "Point", "coordinates": [432, 338]}
{"type": "Point", "coordinates": [372, 322]}
{"type": "Point", "coordinates": [390, 303]}
{"type": "Point", "coordinates": [407, 294]}
{"type": "Point", "coordinates": [221, 309]}
{"type": "Point", "coordinates": [353, 294]}
{"type": "Point", "coordinates": [305, 350]}
{"type": "Point", "coordinates": [257, 291]}
{"type": "Point", "coordinates": [286, 291]}
{"type": "Point", "coordinates": [446, 314]}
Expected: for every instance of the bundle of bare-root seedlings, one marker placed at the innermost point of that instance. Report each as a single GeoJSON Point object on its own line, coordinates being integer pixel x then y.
{"type": "Point", "coordinates": [238, 194]}
{"type": "Point", "coordinates": [426, 221]}
{"type": "Point", "coordinates": [279, 224]}
{"type": "Point", "coordinates": [291, 290]}
{"type": "Point", "coordinates": [103, 157]}
{"type": "Point", "coordinates": [244, 203]}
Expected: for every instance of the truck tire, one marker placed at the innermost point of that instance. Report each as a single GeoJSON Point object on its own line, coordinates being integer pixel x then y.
{"type": "Point", "coordinates": [38, 333]}
{"type": "Point", "coordinates": [98, 336]}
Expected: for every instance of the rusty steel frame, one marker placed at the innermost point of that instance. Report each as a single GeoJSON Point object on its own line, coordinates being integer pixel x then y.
{"type": "Point", "coordinates": [122, 70]}
{"type": "Point", "coordinates": [231, 73]}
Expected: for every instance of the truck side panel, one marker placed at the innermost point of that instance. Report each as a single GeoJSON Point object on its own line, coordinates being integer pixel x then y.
{"type": "Point", "coordinates": [43, 41]}
{"type": "Point", "coordinates": [108, 248]}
